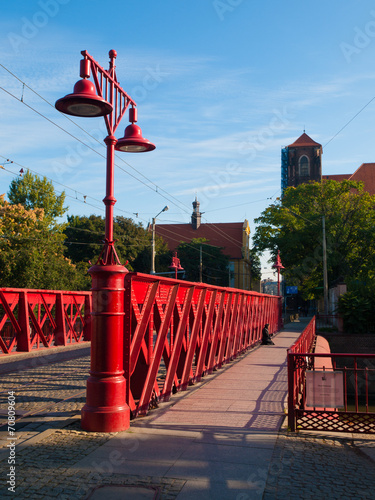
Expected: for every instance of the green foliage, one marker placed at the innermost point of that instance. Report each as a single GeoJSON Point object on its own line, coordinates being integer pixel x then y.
{"type": "Point", "coordinates": [31, 253]}
{"type": "Point", "coordinates": [357, 310]}
{"type": "Point", "coordinates": [85, 235]}
{"type": "Point", "coordinates": [255, 265]}
{"type": "Point", "coordinates": [294, 225]}
{"type": "Point", "coordinates": [33, 192]}
{"type": "Point", "coordinates": [214, 262]}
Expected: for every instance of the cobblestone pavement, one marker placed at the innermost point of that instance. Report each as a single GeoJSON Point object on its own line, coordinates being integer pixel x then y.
{"type": "Point", "coordinates": [49, 444]}
{"type": "Point", "coordinates": [49, 390]}
{"type": "Point", "coordinates": [45, 468]}
{"type": "Point", "coordinates": [312, 465]}
{"type": "Point", "coordinates": [49, 440]}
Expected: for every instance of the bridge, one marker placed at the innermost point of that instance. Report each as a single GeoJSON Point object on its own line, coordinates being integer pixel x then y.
{"type": "Point", "coordinates": [173, 333]}
{"type": "Point", "coordinates": [215, 433]}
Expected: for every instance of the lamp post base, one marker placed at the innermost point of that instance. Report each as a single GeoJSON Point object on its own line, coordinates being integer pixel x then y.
{"type": "Point", "coordinates": [107, 419]}
{"type": "Point", "coordinates": [106, 409]}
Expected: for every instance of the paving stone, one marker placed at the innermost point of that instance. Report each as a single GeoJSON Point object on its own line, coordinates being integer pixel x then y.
{"type": "Point", "coordinates": [303, 465]}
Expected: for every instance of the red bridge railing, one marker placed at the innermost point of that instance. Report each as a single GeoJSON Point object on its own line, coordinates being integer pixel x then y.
{"type": "Point", "coordinates": [178, 331]}
{"type": "Point", "coordinates": [297, 368]}
{"type": "Point", "coordinates": [347, 380]}
{"type": "Point", "coordinates": [175, 331]}
{"type": "Point", "coordinates": [33, 319]}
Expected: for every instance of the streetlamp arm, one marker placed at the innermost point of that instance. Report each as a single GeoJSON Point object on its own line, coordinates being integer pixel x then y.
{"type": "Point", "coordinates": [161, 211]}
{"type": "Point", "coordinates": [108, 88]}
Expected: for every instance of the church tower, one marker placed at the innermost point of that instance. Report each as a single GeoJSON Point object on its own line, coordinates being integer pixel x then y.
{"type": "Point", "coordinates": [196, 215]}
{"type": "Point", "coordinates": [301, 162]}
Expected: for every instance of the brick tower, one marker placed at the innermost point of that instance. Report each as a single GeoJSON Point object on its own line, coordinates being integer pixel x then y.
{"type": "Point", "coordinates": [301, 162]}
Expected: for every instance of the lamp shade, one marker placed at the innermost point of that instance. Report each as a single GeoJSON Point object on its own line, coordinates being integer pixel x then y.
{"type": "Point", "coordinates": [84, 101]}
{"type": "Point", "coordinates": [133, 142]}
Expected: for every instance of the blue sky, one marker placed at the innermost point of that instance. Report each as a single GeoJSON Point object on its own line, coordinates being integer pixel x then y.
{"type": "Point", "coordinates": [221, 87]}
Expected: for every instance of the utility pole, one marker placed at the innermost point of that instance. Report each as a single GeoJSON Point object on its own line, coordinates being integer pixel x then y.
{"type": "Point", "coordinates": [153, 240]}
{"type": "Point", "coordinates": [153, 247]}
{"type": "Point", "coordinates": [325, 272]}
{"type": "Point", "coordinates": [200, 264]}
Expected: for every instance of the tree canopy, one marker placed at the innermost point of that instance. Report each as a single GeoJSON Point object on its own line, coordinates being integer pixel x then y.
{"type": "Point", "coordinates": [31, 254]}
{"type": "Point", "coordinates": [31, 244]}
{"type": "Point", "coordinates": [214, 262]}
{"type": "Point", "coordinates": [294, 226]}
{"type": "Point", "coordinates": [33, 192]}
{"type": "Point", "coordinates": [84, 242]}
{"type": "Point", "coordinates": [255, 265]}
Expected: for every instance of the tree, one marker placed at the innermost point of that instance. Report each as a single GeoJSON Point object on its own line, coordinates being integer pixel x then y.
{"type": "Point", "coordinates": [31, 255]}
{"type": "Point", "coordinates": [294, 226]}
{"type": "Point", "coordinates": [214, 263]}
{"type": "Point", "coordinates": [356, 307]}
{"type": "Point", "coordinates": [33, 192]}
{"type": "Point", "coordinates": [255, 265]}
{"type": "Point", "coordinates": [85, 235]}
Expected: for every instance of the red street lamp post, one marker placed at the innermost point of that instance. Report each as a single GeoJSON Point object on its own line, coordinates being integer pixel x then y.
{"type": "Point", "coordinates": [278, 265]}
{"type": "Point", "coordinates": [106, 409]}
{"type": "Point", "coordinates": [176, 265]}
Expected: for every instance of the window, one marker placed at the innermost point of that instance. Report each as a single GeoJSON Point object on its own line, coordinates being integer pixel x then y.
{"type": "Point", "coordinates": [304, 169]}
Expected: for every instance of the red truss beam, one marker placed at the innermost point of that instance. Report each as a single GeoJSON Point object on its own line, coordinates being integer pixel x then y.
{"type": "Point", "coordinates": [33, 319]}
{"type": "Point", "coordinates": [179, 331]}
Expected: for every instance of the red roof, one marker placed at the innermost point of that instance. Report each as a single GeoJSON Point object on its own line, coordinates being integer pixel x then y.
{"type": "Point", "coordinates": [227, 235]}
{"type": "Point", "coordinates": [337, 177]}
{"type": "Point", "coordinates": [304, 140]}
{"type": "Point", "coordinates": [365, 173]}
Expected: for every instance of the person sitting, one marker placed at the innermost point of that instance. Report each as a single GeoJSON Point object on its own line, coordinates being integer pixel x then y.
{"type": "Point", "coordinates": [266, 337]}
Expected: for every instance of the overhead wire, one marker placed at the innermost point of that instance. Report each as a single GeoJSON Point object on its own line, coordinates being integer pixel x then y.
{"type": "Point", "coordinates": [100, 208]}
{"type": "Point", "coordinates": [351, 119]}
{"type": "Point", "coordinates": [88, 230]}
{"type": "Point", "coordinates": [157, 188]}
{"type": "Point", "coordinates": [218, 230]}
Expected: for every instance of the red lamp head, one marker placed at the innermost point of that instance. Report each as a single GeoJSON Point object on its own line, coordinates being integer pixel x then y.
{"type": "Point", "coordinates": [84, 101]}
{"type": "Point", "coordinates": [133, 142]}
{"type": "Point", "coordinates": [278, 265]}
{"type": "Point", "coordinates": [176, 263]}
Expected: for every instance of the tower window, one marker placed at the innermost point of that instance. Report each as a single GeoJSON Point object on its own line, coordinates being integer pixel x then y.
{"type": "Point", "coordinates": [304, 169]}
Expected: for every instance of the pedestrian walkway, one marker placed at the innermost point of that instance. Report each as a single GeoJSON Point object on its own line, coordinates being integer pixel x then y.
{"type": "Point", "coordinates": [221, 439]}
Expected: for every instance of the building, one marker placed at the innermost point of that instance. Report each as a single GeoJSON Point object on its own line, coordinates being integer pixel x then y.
{"type": "Point", "coordinates": [232, 237]}
{"type": "Point", "coordinates": [269, 286]}
{"type": "Point", "coordinates": [301, 162]}
{"type": "Point", "coordinates": [365, 173]}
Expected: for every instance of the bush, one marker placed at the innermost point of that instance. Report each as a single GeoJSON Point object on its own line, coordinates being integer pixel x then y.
{"type": "Point", "coordinates": [356, 308]}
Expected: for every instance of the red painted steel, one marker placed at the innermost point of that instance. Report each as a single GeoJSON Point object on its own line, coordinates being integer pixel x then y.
{"type": "Point", "coordinates": [358, 413]}
{"type": "Point", "coordinates": [105, 407]}
{"type": "Point", "coordinates": [34, 319]}
{"type": "Point", "coordinates": [178, 331]}
{"type": "Point", "coordinates": [296, 371]}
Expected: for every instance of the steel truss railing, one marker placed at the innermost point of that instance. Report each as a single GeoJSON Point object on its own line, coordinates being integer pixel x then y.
{"type": "Point", "coordinates": [33, 319]}
{"type": "Point", "coordinates": [178, 331]}
{"type": "Point", "coordinates": [357, 373]}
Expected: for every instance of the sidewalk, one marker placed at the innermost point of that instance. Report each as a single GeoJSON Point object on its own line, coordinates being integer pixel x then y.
{"type": "Point", "coordinates": [219, 440]}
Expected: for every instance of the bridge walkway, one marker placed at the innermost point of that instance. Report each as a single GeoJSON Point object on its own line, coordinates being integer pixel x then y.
{"type": "Point", "coordinates": [224, 438]}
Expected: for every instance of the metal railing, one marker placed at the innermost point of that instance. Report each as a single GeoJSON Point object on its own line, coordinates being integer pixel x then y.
{"type": "Point", "coordinates": [34, 319]}
{"type": "Point", "coordinates": [175, 332]}
{"type": "Point", "coordinates": [178, 331]}
{"type": "Point", "coordinates": [330, 391]}
{"type": "Point", "coordinates": [329, 321]}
